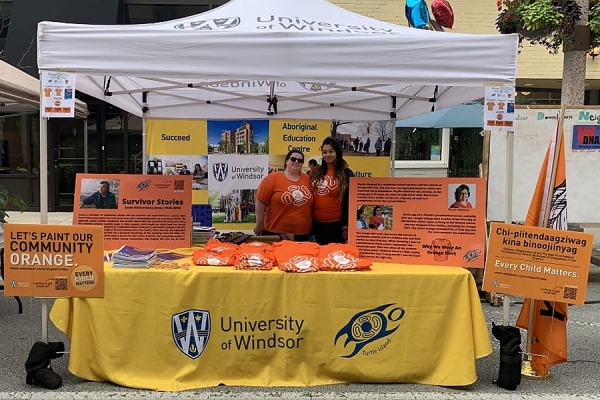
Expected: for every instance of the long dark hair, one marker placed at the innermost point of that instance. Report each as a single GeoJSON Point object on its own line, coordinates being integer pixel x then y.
{"type": "Point", "coordinates": [340, 165]}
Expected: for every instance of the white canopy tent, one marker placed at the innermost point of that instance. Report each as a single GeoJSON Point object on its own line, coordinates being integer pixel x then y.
{"type": "Point", "coordinates": [285, 59]}
{"type": "Point", "coordinates": [305, 59]}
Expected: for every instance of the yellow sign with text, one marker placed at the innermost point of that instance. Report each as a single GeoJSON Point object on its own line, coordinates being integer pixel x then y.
{"type": "Point", "coordinates": [369, 167]}
{"type": "Point", "coordinates": [177, 137]}
{"type": "Point", "coordinates": [306, 136]}
{"type": "Point", "coordinates": [539, 263]}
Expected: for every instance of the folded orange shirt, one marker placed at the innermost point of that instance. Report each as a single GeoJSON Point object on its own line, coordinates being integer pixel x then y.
{"type": "Point", "coordinates": [342, 257]}
{"type": "Point", "coordinates": [215, 253]}
{"type": "Point", "coordinates": [254, 256]}
{"type": "Point", "coordinates": [297, 256]}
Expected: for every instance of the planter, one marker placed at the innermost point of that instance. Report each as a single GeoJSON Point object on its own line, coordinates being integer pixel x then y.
{"type": "Point", "coordinates": [532, 34]}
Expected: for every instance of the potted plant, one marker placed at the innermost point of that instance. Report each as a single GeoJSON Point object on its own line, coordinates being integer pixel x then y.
{"type": "Point", "coordinates": [550, 23]}
{"type": "Point", "coordinates": [9, 200]}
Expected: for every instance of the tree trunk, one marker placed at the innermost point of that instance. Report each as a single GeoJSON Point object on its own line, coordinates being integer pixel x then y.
{"type": "Point", "coordinates": [573, 80]}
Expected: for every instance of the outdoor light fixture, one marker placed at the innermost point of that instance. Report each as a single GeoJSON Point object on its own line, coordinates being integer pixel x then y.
{"type": "Point", "coordinates": [595, 52]}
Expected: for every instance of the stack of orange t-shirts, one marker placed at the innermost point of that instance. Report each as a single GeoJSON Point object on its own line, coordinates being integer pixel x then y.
{"type": "Point", "coordinates": [297, 256]}
{"type": "Point", "coordinates": [342, 257]}
{"type": "Point", "coordinates": [215, 253]}
{"type": "Point", "coordinates": [254, 256]}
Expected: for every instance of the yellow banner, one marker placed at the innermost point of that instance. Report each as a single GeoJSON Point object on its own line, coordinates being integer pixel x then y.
{"type": "Point", "coordinates": [177, 137]}
{"type": "Point", "coordinates": [369, 167]}
{"type": "Point", "coordinates": [306, 136]}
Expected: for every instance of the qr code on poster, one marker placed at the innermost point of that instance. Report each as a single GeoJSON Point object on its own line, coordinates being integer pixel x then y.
{"type": "Point", "coordinates": [179, 185]}
{"type": "Point", "coordinates": [60, 284]}
{"type": "Point", "coordinates": [570, 293]}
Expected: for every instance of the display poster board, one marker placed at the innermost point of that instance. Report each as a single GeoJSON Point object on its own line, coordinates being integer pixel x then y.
{"type": "Point", "coordinates": [58, 94]}
{"type": "Point", "coordinates": [428, 221]}
{"type": "Point", "coordinates": [229, 158]}
{"type": "Point", "coordinates": [53, 260]}
{"type": "Point", "coordinates": [538, 263]}
{"type": "Point", "coordinates": [586, 138]}
{"type": "Point", "coordinates": [150, 212]}
{"type": "Point", "coordinates": [499, 108]}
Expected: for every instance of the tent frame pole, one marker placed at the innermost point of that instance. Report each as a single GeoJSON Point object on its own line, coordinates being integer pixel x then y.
{"type": "Point", "coordinates": [393, 133]}
{"type": "Point", "coordinates": [43, 195]}
{"type": "Point", "coordinates": [144, 133]}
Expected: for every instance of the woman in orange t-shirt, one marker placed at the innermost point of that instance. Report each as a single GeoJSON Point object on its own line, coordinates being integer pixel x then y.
{"type": "Point", "coordinates": [284, 201]}
{"type": "Point", "coordinates": [330, 182]}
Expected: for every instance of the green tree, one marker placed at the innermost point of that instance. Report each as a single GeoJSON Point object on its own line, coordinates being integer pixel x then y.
{"type": "Point", "coordinates": [267, 145]}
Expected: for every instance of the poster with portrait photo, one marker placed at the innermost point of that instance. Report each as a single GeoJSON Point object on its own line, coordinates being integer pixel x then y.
{"type": "Point", "coordinates": [462, 195]}
{"type": "Point", "coordinates": [195, 165]}
{"type": "Point", "coordinates": [377, 217]}
{"type": "Point", "coordinates": [99, 193]}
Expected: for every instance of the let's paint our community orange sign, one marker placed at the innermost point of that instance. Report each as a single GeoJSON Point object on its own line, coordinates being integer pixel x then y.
{"type": "Point", "coordinates": [53, 260]}
{"type": "Point", "coordinates": [538, 263]}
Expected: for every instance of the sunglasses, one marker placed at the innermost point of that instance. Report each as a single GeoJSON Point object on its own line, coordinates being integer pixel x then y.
{"type": "Point", "coordinates": [297, 160]}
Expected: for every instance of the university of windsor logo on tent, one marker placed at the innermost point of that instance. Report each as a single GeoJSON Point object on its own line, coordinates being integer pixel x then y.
{"type": "Point", "coordinates": [191, 331]}
{"type": "Point", "coordinates": [217, 24]}
{"type": "Point", "coordinates": [220, 171]}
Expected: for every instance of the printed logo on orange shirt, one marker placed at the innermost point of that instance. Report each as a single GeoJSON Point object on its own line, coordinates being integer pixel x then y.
{"type": "Point", "coordinates": [296, 195]}
{"type": "Point", "coordinates": [326, 185]}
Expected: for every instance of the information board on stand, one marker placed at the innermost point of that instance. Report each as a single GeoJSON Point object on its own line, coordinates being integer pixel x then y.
{"type": "Point", "coordinates": [53, 260]}
{"type": "Point", "coordinates": [145, 211]}
{"type": "Point", "coordinates": [427, 221]}
{"type": "Point", "coordinates": [538, 263]}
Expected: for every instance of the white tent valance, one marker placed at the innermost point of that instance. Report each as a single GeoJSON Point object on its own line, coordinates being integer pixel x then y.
{"type": "Point", "coordinates": [319, 60]}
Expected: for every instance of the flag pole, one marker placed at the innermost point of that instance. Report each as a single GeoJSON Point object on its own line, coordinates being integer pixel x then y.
{"type": "Point", "coordinates": [558, 138]}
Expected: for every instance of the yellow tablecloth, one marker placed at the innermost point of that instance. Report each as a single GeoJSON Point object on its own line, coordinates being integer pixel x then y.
{"type": "Point", "coordinates": [177, 330]}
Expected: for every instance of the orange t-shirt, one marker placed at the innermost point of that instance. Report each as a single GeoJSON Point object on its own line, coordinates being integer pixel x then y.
{"type": "Point", "coordinates": [255, 256]}
{"type": "Point", "coordinates": [342, 257]}
{"type": "Point", "coordinates": [327, 207]}
{"type": "Point", "coordinates": [289, 203]}
{"type": "Point", "coordinates": [215, 253]}
{"type": "Point", "coordinates": [297, 256]}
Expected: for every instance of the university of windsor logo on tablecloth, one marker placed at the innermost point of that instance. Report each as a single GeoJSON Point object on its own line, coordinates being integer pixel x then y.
{"type": "Point", "coordinates": [191, 331]}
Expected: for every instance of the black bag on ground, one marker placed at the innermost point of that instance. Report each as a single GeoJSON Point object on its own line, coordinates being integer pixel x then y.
{"type": "Point", "coordinates": [509, 376]}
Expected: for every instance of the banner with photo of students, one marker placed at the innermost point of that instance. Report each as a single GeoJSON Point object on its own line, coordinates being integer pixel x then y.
{"type": "Point", "coordinates": [225, 157]}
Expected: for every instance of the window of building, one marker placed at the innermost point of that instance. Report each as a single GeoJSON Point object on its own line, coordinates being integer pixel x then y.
{"type": "Point", "coordinates": [422, 147]}
{"type": "Point", "coordinates": [16, 156]}
{"type": "Point", "coordinates": [149, 11]}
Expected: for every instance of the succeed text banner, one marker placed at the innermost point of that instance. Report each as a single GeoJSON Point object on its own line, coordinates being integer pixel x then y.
{"type": "Point", "coordinates": [538, 263]}
{"type": "Point", "coordinates": [53, 260]}
{"type": "Point", "coordinates": [136, 210]}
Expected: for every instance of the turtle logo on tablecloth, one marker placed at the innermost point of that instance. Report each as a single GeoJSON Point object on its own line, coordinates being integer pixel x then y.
{"type": "Point", "coordinates": [371, 325]}
{"type": "Point", "coordinates": [191, 331]}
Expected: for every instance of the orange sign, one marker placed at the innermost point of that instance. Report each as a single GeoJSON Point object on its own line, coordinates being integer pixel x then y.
{"type": "Point", "coordinates": [145, 211]}
{"type": "Point", "coordinates": [430, 221]}
{"type": "Point", "coordinates": [539, 263]}
{"type": "Point", "coordinates": [53, 260]}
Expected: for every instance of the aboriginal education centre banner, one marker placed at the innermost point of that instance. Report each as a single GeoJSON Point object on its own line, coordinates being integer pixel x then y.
{"type": "Point", "coordinates": [229, 158]}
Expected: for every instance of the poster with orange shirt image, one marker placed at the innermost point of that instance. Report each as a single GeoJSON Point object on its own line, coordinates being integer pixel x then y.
{"type": "Point", "coordinates": [425, 221]}
{"type": "Point", "coordinates": [144, 211]}
{"type": "Point", "coordinates": [53, 260]}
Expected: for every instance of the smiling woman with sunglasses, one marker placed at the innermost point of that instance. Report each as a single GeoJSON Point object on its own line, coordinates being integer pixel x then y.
{"type": "Point", "coordinates": [284, 201]}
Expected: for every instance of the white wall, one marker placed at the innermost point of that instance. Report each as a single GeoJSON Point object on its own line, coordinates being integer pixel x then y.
{"type": "Point", "coordinates": [533, 131]}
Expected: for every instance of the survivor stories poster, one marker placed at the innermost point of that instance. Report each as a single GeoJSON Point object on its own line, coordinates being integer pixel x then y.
{"type": "Point", "coordinates": [150, 212]}
{"type": "Point", "coordinates": [429, 221]}
{"type": "Point", "coordinates": [228, 158]}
